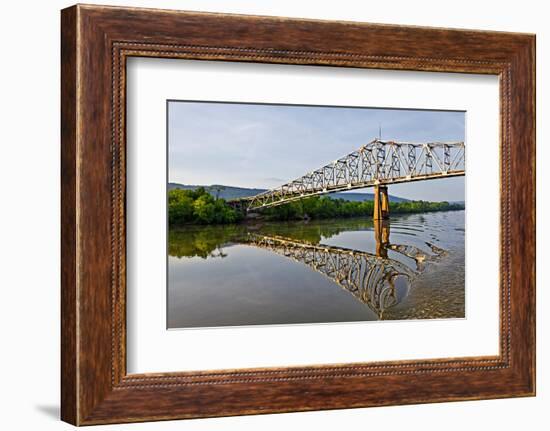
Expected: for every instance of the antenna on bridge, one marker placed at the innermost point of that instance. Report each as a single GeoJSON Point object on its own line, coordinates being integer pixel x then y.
{"type": "Point", "coordinates": [379, 131]}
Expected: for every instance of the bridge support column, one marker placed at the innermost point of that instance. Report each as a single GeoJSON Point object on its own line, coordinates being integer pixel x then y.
{"type": "Point", "coordinates": [381, 203]}
{"type": "Point", "coordinates": [382, 237]}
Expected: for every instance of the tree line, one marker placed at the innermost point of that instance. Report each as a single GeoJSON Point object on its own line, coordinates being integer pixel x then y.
{"type": "Point", "coordinates": [200, 207]}
{"type": "Point", "coordinates": [324, 207]}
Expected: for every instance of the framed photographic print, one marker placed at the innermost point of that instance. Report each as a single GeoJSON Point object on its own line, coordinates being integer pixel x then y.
{"type": "Point", "coordinates": [229, 247]}
{"type": "Point", "coordinates": [265, 214]}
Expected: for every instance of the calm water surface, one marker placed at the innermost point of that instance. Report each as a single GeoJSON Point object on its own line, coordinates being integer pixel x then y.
{"type": "Point", "coordinates": [344, 270]}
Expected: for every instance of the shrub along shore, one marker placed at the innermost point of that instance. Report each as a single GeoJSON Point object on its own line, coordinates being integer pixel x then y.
{"type": "Point", "coordinates": [200, 207]}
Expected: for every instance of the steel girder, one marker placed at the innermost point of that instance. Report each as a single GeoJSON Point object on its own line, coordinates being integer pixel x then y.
{"type": "Point", "coordinates": [378, 162]}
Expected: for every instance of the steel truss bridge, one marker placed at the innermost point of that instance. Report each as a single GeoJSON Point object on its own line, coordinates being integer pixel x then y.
{"type": "Point", "coordinates": [370, 278]}
{"type": "Point", "coordinates": [376, 164]}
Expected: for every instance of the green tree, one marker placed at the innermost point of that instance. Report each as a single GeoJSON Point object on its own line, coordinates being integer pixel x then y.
{"type": "Point", "coordinates": [180, 207]}
{"type": "Point", "coordinates": [204, 209]}
{"type": "Point", "coordinates": [198, 207]}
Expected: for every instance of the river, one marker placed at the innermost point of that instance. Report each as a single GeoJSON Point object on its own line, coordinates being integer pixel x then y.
{"type": "Point", "coordinates": [343, 270]}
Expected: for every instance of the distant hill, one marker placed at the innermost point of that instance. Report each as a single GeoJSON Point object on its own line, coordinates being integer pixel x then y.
{"type": "Point", "coordinates": [229, 192]}
{"type": "Point", "coordinates": [224, 192]}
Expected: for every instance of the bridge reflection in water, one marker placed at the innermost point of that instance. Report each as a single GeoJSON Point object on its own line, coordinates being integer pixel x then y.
{"type": "Point", "coordinates": [375, 279]}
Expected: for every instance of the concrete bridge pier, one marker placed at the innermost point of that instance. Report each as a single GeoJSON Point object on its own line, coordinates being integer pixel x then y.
{"type": "Point", "coordinates": [382, 237]}
{"type": "Point", "coordinates": [381, 203]}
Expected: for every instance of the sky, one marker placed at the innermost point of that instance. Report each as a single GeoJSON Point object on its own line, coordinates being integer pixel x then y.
{"type": "Point", "coordinates": [264, 146]}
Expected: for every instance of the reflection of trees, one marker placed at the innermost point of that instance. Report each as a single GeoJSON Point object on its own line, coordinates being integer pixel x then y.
{"type": "Point", "coordinates": [203, 241]}
{"type": "Point", "coordinates": [315, 232]}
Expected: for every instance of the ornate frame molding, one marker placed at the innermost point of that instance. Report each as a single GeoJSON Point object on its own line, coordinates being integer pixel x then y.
{"type": "Point", "coordinates": [96, 41]}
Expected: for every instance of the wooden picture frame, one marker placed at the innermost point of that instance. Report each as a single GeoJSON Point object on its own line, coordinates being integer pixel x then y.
{"type": "Point", "coordinates": [95, 43]}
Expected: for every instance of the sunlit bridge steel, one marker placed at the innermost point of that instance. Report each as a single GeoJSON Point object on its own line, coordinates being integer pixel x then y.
{"type": "Point", "coordinates": [377, 164]}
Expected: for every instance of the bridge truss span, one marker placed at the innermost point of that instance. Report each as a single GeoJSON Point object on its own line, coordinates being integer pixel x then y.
{"type": "Point", "coordinates": [378, 163]}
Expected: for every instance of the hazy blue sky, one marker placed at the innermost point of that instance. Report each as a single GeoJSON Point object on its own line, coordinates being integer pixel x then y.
{"type": "Point", "coordinates": [264, 146]}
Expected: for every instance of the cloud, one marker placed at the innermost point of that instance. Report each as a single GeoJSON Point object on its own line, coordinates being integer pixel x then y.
{"type": "Point", "coordinates": [276, 180]}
